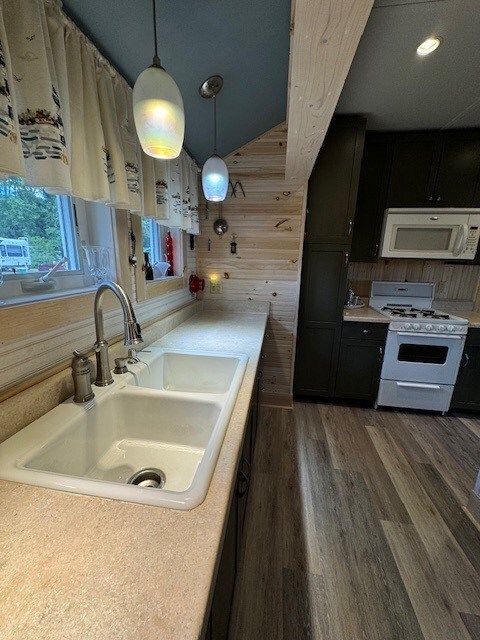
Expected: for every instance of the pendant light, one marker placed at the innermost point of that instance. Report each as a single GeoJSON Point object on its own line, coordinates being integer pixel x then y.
{"type": "Point", "coordinates": [215, 171]}
{"type": "Point", "coordinates": [158, 109]}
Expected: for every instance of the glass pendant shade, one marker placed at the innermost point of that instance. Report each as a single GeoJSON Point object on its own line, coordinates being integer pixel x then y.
{"type": "Point", "coordinates": [158, 113]}
{"type": "Point", "coordinates": [215, 179]}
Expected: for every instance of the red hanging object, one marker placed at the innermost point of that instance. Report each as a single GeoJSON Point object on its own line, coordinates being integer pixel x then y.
{"type": "Point", "coordinates": [169, 253]}
{"type": "Point", "coordinates": [196, 284]}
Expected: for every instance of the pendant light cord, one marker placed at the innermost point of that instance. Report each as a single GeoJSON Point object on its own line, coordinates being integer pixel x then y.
{"type": "Point", "coordinates": [156, 59]}
{"type": "Point", "coordinates": [214, 124]}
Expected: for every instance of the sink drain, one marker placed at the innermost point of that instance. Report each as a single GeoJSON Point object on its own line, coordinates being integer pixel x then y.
{"type": "Point", "coordinates": [154, 478]}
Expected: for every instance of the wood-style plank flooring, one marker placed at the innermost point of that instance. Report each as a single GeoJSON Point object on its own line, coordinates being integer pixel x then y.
{"type": "Point", "coordinates": [356, 529]}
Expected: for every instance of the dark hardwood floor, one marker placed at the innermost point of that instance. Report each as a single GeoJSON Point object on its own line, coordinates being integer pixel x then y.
{"type": "Point", "coordinates": [356, 528]}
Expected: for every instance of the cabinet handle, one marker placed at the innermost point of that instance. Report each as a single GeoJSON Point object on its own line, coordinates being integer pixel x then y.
{"type": "Point", "coordinates": [346, 260]}
{"type": "Point", "coordinates": [365, 331]}
{"type": "Point", "coordinates": [466, 359]}
{"type": "Point", "coordinates": [430, 198]}
{"type": "Point", "coordinates": [380, 357]}
{"type": "Point", "coordinates": [243, 478]}
{"type": "Point", "coordinates": [350, 227]}
{"type": "Point", "coordinates": [439, 198]}
{"type": "Point", "coordinates": [375, 253]}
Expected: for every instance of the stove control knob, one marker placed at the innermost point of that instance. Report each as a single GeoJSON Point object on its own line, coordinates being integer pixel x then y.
{"type": "Point", "coordinates": [442, 327]}
{"type": "Point", "coordinates": [429, 327]}
{"type": "Point", "coordinates": [416, 326]}
{"type": "Point", "coordinates": [408, 326]}
{"type": "Point", "coordinates": [450, 327]}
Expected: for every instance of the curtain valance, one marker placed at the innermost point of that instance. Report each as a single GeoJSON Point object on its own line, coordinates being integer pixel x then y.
{"type": "Point", "coordinates": [66, 121]}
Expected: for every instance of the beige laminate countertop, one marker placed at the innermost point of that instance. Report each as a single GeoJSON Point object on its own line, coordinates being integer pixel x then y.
{"type": "Point", "coordinates": [365, 314]}
{"type": "Point", "coordinates": [84, 568]}
{"type": "Point", "coordinates": [473, 317]}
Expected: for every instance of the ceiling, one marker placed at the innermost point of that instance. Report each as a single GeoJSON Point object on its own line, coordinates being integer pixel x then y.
{"type": "Point", "coordinates": [245, 42]}
{"type": "Point", "coordinates": [396, 88]}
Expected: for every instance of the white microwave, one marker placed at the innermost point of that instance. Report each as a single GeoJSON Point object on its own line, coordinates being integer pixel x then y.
{"type": "Point", "coordinates": [443, 234]}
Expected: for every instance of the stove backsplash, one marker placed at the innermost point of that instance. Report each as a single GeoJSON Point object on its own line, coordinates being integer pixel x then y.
{"type": "Point", "coordinates": [457, 284]}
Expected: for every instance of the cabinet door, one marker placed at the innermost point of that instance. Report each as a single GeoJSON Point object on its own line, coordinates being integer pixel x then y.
{"type": "Point", "coordinates": [333, 184]}
{"type": "Point", "coordinates": [359, 367]}
{"type": "Point", "coordinates": [324, 278]}
{"type": "Point", "coordinates": [459, 169]}
{"type": "Point", "coordinates": [223, 595]}
{"type": "Point", "coordinates": [415, 163]}
{"type": "Point", "coordinates": [372, 196]}
{"type": "Point", "coordinates": [466, 394]}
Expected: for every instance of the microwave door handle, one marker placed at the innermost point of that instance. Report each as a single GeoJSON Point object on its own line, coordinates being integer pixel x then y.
{"type": "Point", "coordinates": [461, 241]}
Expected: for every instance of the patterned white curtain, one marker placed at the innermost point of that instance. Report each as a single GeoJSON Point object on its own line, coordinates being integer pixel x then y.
{"type": "Point", "coordinates": [66, 121]}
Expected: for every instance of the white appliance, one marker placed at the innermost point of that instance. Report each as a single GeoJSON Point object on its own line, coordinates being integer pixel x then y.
{"type": "Point", "coordinates": [444, 234]}
{"type": "Point", "coordinates": [423, 350]}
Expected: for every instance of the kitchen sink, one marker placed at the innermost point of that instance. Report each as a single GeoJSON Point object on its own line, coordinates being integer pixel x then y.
{"type": "Point", "coordinates": [187, 371]}
{"type": "Point", "coordinates": [153, 437]}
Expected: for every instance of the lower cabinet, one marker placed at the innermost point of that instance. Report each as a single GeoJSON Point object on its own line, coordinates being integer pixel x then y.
{"type": "Point", "coordinates": [232, 545]}
{"type": "Point", "coordinates": [360, 360]}
{"type": "Point", "coordinates": [466, 394]}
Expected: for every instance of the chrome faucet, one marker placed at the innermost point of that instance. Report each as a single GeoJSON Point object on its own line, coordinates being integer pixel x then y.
{"type": "Point", "coordinates": [132, 329]}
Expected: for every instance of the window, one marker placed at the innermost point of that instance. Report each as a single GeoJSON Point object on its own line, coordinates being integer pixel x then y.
{"type": "Point", "coordinates": [154, 237]}
{"type": "Point", "coordinates": [38, 231]}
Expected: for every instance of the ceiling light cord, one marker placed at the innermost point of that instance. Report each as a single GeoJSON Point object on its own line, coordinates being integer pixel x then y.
{"type": "Point", "coordinates": [214, 124]}
{"type": "Point", "coordinates": [156, 59]}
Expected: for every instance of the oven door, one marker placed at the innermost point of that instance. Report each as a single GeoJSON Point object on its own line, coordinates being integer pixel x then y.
{"type": "Point", "coordinates": [417, 357]}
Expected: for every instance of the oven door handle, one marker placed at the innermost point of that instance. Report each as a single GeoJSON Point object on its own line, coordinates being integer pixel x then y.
{"type": "Point", "coordinates": [461, 240]}
{"type": "Point", "coordinates": [430, 335]}
{"type": "Point", "coordinates": [418, 385]}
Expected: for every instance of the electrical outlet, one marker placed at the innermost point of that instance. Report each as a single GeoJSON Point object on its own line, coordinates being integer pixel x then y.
{"type": "Point", "coordinates": [216, 286]}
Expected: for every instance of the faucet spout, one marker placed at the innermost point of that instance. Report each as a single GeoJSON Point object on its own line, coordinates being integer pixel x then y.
{"type": "Point", "coordinates": [132, 329]}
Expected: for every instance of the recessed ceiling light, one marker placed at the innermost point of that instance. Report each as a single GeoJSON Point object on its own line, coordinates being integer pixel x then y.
{"type": "Point", "coordinates": [429, 45]}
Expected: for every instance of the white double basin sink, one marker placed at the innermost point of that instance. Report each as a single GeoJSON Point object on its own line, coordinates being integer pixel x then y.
{"type": "Point", "coordinates": [164, 421]}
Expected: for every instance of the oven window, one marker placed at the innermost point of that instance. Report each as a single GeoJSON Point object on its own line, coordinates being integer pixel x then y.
{"type": "Point", "coordinates": [425, 353]}
{"type": "Point", "coordinates": [423, 239]}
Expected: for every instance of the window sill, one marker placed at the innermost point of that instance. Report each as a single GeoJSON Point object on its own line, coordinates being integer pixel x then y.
{"type": "Point", "coordinates": [40, 297]}
{"type": "Point", "coordinates": [160, 286]}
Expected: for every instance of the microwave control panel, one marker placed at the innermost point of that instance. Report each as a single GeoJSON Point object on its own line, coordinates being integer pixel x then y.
{"type": "Point", "coordinates": [473, 237]}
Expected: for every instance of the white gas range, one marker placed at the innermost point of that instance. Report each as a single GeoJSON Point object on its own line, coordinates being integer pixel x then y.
{"type": "Point", "coordinates": [423, 350]}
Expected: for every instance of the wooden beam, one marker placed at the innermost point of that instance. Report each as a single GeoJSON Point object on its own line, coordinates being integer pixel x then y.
{"type": "Point", "coordinates": [324, 37]}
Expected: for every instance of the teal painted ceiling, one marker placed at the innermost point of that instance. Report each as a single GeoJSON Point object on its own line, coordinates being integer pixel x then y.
{"type": "Point", "coordinates": [246, 42]}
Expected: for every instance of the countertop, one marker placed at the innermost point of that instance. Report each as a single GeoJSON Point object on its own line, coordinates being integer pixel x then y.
{"type": "Point", "coordinates": [77, 567]}
{"type": "Point", "coordinates": [365, 314]}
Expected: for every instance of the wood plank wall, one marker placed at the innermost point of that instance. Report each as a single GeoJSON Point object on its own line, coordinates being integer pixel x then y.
{"type": "Point", "coordinates": [269, 225]}
{"type": "Point", "coordinates": [454, 282]}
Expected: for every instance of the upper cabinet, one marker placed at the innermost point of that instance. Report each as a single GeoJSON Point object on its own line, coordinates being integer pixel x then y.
{"type": "Point", "coordinates": [416, 157]}
{"type": "Point", "coordinates": [459, 170]}
{"type": "Point", "coordinates": [422, 169]}
{"type": "Point", "coordinates": [332, 188]}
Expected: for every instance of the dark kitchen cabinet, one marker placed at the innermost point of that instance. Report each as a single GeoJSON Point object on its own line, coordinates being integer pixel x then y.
{"type": "Point", "coordinates": [360, 360]}
{"type": "Point", "coordinates": [332, 188]}
{"type": "Point", "coordinates": [324, 278]}
{"type": "Point", "coordinates": [415, 162]}
{"type": "Point", "coordinates": [459, 171]}
{"type": "Point", "coordinates": [466, 394]}
{"type": "Point", "coordinates": [372, 196]}
{"type": "Point", "coordinates": [219, 619]}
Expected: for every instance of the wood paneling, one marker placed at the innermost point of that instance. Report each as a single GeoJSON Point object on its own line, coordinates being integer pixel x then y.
{"type": "Point", "coordinates": [268, 224]}
{"type": "Point", "coordinates": [324, 38]}
{"type": "Point", "coordinates": [455, 282]}
{"type": "Point", "coordinates": [327, 555]}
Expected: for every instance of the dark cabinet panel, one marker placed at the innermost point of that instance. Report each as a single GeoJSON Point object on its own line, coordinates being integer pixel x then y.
{"type": "Point", "coordinates": [333, 184]}
{"type": "Point", "coordinates": [466, 394]}
{"type": "Point", "coordinates": [416, 157]}
{"type": "Point", "coordinates": [324, 277]}
{"type": "Point", "coordinates": [223, 595]}
{"type": "Point", "coordinates": [372, 196]}
{"type": "Point", "coordinates": [359, 367]}
{"type": "Point", "coordinates": [459, 170]}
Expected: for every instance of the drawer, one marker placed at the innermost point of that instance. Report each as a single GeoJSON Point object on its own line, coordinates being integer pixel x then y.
{"type": "Point", "coordinates": [414, 395]}
{"type": "Point", "coordinates": [365, 330]}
